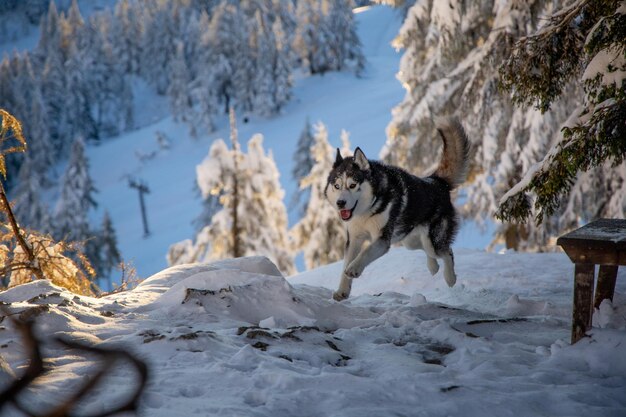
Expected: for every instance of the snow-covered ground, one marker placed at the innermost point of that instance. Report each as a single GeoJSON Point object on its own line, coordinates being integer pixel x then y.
{"type": "Point", "coordinates": [235, 338]}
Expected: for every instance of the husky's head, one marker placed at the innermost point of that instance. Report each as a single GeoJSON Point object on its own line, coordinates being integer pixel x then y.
{"type": "Point", "coordinates": [348, 188]}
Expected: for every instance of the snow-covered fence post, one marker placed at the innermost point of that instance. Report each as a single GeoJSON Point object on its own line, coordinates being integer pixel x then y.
{"type": "Point", "coordinates": [142, 188]}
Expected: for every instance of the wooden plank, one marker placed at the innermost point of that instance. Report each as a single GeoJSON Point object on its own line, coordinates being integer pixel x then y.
{"type": "Point", "coordinates": [599, 255]}
{"type": "Point", "coordinates": [602, 242]}
{"type": "Point", "coordinates": [605, 230]}
{"type": "Point", "coordinates": [606, 284]}
{"type": "Point", "coordinates": [583, 300]}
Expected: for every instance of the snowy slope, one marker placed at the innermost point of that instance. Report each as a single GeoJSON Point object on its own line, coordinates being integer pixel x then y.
{"type": "Point", "coordinates": [405, 345]}
{"type": "Point", "coordinates": [18, 35]}
{"type": "Point", "coordinates": [340, 100]}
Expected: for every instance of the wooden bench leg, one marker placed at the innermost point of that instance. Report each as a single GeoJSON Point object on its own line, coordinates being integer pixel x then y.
{"type": "Point", "coordinates": [606, 284]}
{"type": "Point", "coordinates": [583, 300]}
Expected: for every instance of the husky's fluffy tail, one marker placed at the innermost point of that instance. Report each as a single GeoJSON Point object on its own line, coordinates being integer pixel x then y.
{"type": "Point", "coordinates": [455, 160]}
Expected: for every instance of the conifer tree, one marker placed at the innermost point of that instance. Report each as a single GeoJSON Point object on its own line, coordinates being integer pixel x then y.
{"type": "Point", "coordinates": [453, 52]}
{"type": "Point", "coordinates": [70, 26]}
{"type": "Point", "coordinates": [252, 219]}
{"type": "Point", "coordinates": [28, 207]}
{"type": "Point", "coordinates": [319, 234]}
{"type": "Point", "coordinates": [264, 57]}
{"type": "Point", "coordinates": [107, 254]}
{"type": "Point", "coordinates": [310, 37]}
{"type": "Point", "coordinates": [302, 164]}
{"type": "Point", "coordinates": [589, 34]}
{"type": "Point", "coordinates": [126, 35]}
{"type": "Point", "coordinates": [49, 32]}
{"type": "Point", "coordinates": [158, 44]}
{"type": "Point", "coordinates": [344, 40]}
{"type": "Point", "coordinates": [178, 90]}
{"type": "Point", "coordinates": [282, 65]}
{"type": "Point", "coordinates": [79, 120]}
{"type": "Point", "coordinates": [325, 37]}
{"type": "Point", "coordinates": [76, 197]}
{"type": "Point", "coordinates": [54, 94]}
{"type": "Point", "coordinates": [227, 38]}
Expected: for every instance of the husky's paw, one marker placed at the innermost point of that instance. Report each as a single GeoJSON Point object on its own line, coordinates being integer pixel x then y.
{"type": "Point", "coordinates": [450, 277]}
{"type": "Point", "coordinates": [354, 270]}
{"type": "Point", "coordinates": [433, 265]}
{"type": "Point", "coordinates": [339, 296]}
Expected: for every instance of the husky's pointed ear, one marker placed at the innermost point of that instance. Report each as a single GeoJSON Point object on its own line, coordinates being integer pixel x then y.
{"type": "Point", "coordinates": [361, 160]}
{"type": "Point", "coordinates": [338, 159]}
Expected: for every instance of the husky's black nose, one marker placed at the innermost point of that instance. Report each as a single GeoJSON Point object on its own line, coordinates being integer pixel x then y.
{"type": "Point", "coordinates": [341, 203]}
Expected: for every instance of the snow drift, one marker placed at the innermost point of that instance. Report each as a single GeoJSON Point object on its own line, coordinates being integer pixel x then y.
{"type": "Point", "coordinates": [235, 338]}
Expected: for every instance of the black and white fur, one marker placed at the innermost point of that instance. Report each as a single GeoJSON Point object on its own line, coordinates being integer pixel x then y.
{"type": "Point", "coordinates": [383, 204]}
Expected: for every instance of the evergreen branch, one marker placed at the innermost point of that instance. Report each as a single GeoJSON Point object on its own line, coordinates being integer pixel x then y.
{"type": "Point", "coordinates": [585, 146]}
{"type": "Point", "coordinates": [540, 65]}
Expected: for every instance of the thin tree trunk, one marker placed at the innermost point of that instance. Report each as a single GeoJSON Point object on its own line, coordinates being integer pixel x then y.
{"type": "Point", "coordinates": [235, 204]}
{"type": "Point", "coordinates": [18, 233]}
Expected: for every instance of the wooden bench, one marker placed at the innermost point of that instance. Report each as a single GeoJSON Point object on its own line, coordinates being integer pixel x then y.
{"type": "Point", "coordinates": [602, 242]}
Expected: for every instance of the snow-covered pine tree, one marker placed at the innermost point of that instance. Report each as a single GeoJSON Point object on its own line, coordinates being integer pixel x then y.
{"type": "Point", "coordinates": [302, 165]}
{"type": "Point", "coordinates": [453, 50]}
{"type": "Point", "coordinates": [265, 232]}
{"type": "Point", "coordinates": [209, 73]}
{"type": "Point", "coordinates": [215, 240]}
{"type": "Point", "coordinates": [272, 77]}
{"type": "Point", "coordinates": [27, 103]}
{"type": "Point", "coordinates": [319, 234]}
{"type": "Point", "coordinates": [158, 43]}
{"type": "Point", "coordinates": [53, 91]}
{"type": "Point", "coordinates": [228, 39]}
{"type": "Point", "coordinates": [108, 255]}
{"type": "Point", "coordinates": [325, 37]}
{"type": "Point", "coordinates": [282, 65]}
{"type": "Point", "coordinates": [27, 205]}
{"type": "Point", "coordinates": [589, 35]}
{"type": "Point", "coordinates": [345, 42]}
{"type": "Point", "coordinates": [252, 219]}
{"type": "Point", "coordinates": [49, 33]}
{"type": "Point", "coordinates": [78, 118]}
{"type": "Point", "coordinates": [21, 85]}
{"type": "Point", "coordinates": [76, 198]}
{"type": "Point", "coordinates": [71, 26]}
{"type": "Point", "coordinates": [211, 83]}
{"type": "Point", "coordinates": [179, 90]}
{"type": "Point", "coordinates": [41, 149]}
{"type": "Point", "coordinates": [110, 94]}
{"type": "Point", "coordinates": [210, 206]}
{"type": "Point", "coordinates": [311, 37]}
{"type": "Point", "coordinates": [264, 50]}
{"type": "Point", "coordinates": [126, 35]}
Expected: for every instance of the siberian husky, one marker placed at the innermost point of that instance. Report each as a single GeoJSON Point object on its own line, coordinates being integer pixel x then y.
{"type": "Point", "coordinates": [383, 204]}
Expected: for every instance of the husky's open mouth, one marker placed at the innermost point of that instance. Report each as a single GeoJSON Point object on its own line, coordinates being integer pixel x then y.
{"type": "Point", "coordinates": [346, 214]}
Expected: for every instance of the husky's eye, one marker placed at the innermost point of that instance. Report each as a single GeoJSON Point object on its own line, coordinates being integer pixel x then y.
{"type": "Point", "coordinates": [337, 186]}
{"type": "Point", "coordinates": [352, 186]}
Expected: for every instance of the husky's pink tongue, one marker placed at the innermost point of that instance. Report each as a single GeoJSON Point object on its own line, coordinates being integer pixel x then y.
{"type": "Point", "coordinates": [345, 214]}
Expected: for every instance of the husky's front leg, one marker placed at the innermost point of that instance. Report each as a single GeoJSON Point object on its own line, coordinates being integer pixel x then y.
{"type": "Point", "coordinates": [366, 257]}
{"type": "Point", "coordinates": [353, 246]}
